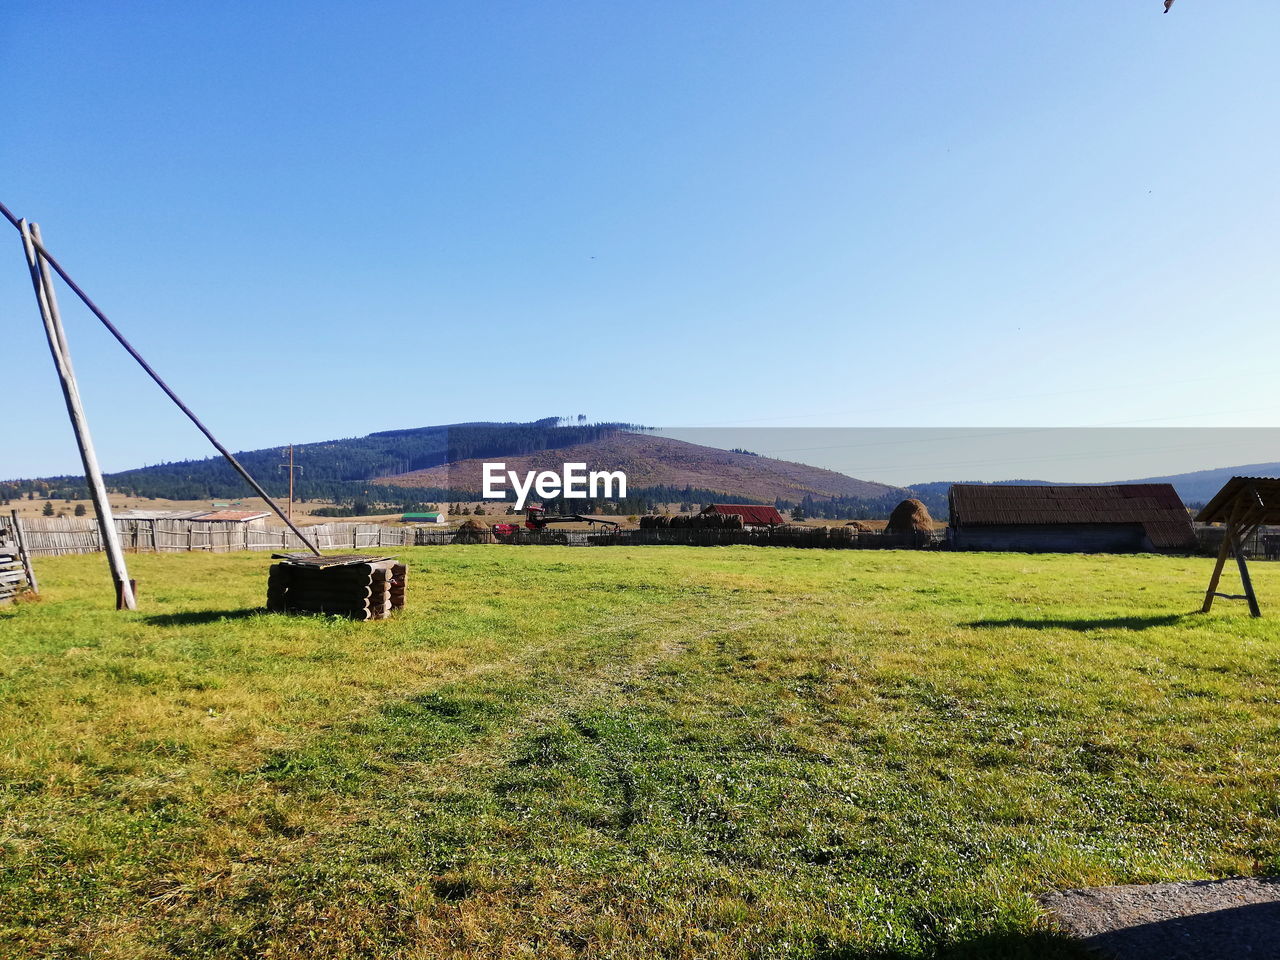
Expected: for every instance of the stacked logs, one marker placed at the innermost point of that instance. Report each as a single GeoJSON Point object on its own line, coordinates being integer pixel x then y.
{"type": "Point", "coordinates": [696, 521]}
{"type": "Point", "coordinates": [13, 576]}
{"type": "Point", "coordinates": [362, 591]}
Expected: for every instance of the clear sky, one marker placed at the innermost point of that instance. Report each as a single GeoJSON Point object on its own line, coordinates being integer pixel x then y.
{"type": "Point", "coordinates": [326, 219]}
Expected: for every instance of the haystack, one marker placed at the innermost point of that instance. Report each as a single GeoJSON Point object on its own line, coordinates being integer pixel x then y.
{"type": "Point", "coordinates": [910, 516]}
{"type": "Point", "coordinates": [857, 526]}
{"type": "Point", "coordinates": [471, 531]}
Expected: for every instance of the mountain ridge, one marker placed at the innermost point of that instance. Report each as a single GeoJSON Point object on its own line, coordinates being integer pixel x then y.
{"type": "Point", "coordinates": [652, 461]}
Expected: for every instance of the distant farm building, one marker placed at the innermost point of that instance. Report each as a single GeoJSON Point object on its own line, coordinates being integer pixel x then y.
{"type": "Point", "coordinates": [430, 517]}
{"type": "Point", "coordinates": [255, 518]}
{"type": "Point", "coordinates": [1126, 518]}
{"type": "Point", "coordinates": [252, 517]}
{"type": "Point", "coordinates": [158, 514]}
{"type": "Point", "coordinates": [753, 515]}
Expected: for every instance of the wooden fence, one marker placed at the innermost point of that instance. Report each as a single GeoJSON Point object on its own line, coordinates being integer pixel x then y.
{"type": "Point", "coordinates": [51, 536]}
{"type": "Point", "coordinates": [1263, 544]}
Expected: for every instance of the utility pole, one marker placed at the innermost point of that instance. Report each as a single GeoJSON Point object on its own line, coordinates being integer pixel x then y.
{"type": "Point", "coordinates": [46, 299]}
{"type": "Point", "coordinates": [291, 468]}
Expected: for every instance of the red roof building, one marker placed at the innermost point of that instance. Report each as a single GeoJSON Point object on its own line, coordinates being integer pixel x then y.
{"type": "Point", "coordinates": [753, 515]}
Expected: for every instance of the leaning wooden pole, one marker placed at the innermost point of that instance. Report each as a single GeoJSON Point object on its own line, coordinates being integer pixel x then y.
{"type": "Point", "coordinates": [1237, 546]}
{"type": "Point", "coordinates": [42, 281]}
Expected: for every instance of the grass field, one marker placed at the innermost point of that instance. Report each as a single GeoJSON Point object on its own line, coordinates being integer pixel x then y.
{"type": "Point", "coordinates": [662, 752]}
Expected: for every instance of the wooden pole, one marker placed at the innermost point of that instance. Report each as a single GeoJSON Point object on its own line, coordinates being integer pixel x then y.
{"type": "Point", "coordinates": [46, 299]}
{"type": "Point", "coordinates": [1234, 533]}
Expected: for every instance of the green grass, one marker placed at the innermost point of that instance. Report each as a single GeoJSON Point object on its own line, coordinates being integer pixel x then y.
{"type": "Point", "coordinates": [662, 752]}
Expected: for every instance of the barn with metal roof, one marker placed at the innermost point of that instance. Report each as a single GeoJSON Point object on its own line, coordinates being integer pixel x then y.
{"type": "Point", "coordinates": [233, 516]}
{"type": "Point", "coordinates": [1124, 518]}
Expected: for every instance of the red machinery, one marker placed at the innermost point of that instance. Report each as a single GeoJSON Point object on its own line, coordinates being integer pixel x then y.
{"type": "Point", "coordinates": [535, 518]}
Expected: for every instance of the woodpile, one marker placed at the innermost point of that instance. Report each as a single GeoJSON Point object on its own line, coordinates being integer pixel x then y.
{"type": "Point", "coordinates": [362, 588]}
{"type": "Point", "coordinates": [696, 521]}
{"type": "Point", "coordinates": [13, 580]}
{"type": "Point", "coordinates": [16, 576]}
{"type": "Point", "coordinates": [910, 516]}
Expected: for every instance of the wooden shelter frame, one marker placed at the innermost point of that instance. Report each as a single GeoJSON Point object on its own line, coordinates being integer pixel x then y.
{"type": "Point", "coordinates": [1244, 504]}
{"type": "Point", "coordinates": [43, 266]}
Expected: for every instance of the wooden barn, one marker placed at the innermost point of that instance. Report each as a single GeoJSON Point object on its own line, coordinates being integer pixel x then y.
{"type": "Point", "coordinates": [753, 514]}
{"type": "Point", "coordinates": [1125, 518]}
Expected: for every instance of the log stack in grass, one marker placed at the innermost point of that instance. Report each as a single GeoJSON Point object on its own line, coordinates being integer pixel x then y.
{"type": "Point", "coordinates": [362, 588]}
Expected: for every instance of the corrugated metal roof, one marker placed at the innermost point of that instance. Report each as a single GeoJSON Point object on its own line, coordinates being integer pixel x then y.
{"type": "Point", "coordinates": [1156, 506]}
{"type": "Point", "coordinates": [751, 513]}
{"type": "Point", "coordinates": [158, 514]}
{"type": "Point", "coordinates": [235, 516]}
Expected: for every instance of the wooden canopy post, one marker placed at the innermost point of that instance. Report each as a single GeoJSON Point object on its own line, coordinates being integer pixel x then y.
{"type": "Point", "coordinates": [1243, 505]}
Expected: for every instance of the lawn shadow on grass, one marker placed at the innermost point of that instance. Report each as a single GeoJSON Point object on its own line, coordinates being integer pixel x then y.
{"type": "Point", "coordinates": [194, 617]}
{"type": "Point", "coordinates": [1034, 945]}
{"type": "Point", "coordinates": [1083, 624]}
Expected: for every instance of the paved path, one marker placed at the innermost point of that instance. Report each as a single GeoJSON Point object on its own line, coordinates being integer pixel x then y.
{"type": "Point", "coordinates": [1236, 919]}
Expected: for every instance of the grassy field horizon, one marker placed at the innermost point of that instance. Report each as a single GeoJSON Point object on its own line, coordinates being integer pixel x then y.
{"type": "Point", "coordinates": [626, 752]}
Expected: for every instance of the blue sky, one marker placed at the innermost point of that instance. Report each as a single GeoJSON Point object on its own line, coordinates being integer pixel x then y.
{"type": "Point", "coordinates": [327, 219]}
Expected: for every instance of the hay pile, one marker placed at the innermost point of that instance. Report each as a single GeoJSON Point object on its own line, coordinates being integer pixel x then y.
{"type": "Point", "coordinates": [910, 516]}
{"type": "Point", "coordinates": [857, 526]}
{"type": "Point", "coordinates": [471, 531]}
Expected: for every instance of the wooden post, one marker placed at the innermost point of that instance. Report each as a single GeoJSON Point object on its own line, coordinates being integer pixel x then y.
{"type": "Point", "coordinates": [23, 554]}
{"type": "Point", "coordinates": [1234, 533]}
{"type": "Point", "coordinates": [46, 299]}
{"type": "Point", "coordinates": [1217, 571]}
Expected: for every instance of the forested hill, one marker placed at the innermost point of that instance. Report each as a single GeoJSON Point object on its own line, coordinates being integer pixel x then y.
{"type": "Point", "coordinates": [332, 469]}
{"type": "Point", "coordinates": [652, 462]}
